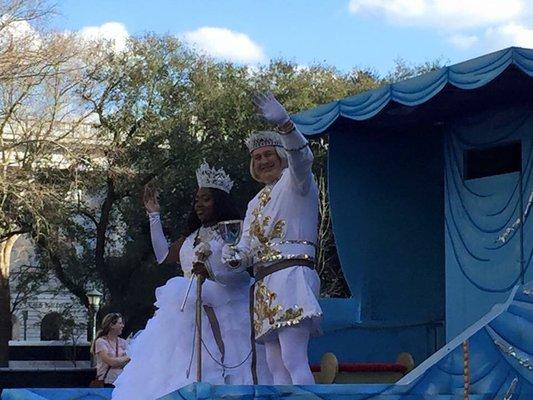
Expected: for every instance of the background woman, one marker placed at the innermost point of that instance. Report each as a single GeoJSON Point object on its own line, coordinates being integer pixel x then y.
{"type": "Point", "coordinates": [110, 349]}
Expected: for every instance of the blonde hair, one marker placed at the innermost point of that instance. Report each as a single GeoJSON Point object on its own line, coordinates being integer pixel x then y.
{"type": "Point", "coordinates": [105, 327]}
{"type": "Point", "coordinates": [282, 154]}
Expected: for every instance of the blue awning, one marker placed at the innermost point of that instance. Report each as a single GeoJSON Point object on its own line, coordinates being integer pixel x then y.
{"type": "Point", "coordinates": [468, 75]}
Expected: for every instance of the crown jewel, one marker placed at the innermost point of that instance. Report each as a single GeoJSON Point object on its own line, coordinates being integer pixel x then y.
{"type": "Point", "coordinates": [208, 177]}
{"type": "Point", "coordinates": [262, 139]}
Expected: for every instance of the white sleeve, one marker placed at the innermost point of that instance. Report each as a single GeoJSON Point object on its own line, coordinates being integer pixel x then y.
{"type": "Point", "coordinates": [300, 159]}
{"type": "Point", "coordinates": [159, 242]}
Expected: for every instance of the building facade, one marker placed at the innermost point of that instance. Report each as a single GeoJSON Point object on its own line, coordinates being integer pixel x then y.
{"type": "Point", "coordinates": [46, 311]}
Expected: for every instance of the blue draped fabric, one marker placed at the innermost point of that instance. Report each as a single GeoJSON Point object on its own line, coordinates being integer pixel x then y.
{"type": "Point", "coordinates": [483, 254]}
{"type": "Point", "coordinates": [468, 75]}
{"type": "Point", "coordinates": [406, 222]}
{"type": "Point", "coordinates": [500, 351]}
{"type": "Point", "coordinates": [56, 394]}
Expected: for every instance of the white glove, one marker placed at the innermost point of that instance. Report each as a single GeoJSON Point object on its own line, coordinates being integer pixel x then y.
{"type": "Point", "coordinates": [202, 247]}
{"type": "Point", "coordinates": [234, 257]}
{"type": "Point", "coordinates": [159, 242]}
{"type": "Point", "coordinates": [271, 109]}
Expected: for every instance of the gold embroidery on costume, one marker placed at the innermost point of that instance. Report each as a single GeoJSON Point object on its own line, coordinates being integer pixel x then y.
{"type": "Point", "coordinates": [264, 308]}
{"type": "Point", "coordinates": [291, 316]}
{"type": "Point", "coordinates": [258, 229]}
{"type": "Point", "coordinates": [266, 311]}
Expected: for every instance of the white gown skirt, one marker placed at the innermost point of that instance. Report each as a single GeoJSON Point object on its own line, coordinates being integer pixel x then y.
{"type": "Point", "coordinates": [163, 352]}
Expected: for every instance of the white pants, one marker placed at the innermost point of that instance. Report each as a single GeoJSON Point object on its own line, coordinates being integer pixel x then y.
{"type": "Point", "coordinates": [286, 355]}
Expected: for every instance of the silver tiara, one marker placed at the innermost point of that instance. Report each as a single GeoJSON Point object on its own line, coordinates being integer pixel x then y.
{"type": "Point", "coordinates": [213, 178]}
{"type": "Point", "coordinates": [262, 139]}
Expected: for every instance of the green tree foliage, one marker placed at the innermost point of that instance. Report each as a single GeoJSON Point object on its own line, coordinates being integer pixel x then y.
{"type": "Point", "coordinates": [404, 70]}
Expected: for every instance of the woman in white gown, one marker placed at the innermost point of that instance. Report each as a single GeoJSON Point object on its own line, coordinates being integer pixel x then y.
{"type": "Point", "coordinates": [162, 355]}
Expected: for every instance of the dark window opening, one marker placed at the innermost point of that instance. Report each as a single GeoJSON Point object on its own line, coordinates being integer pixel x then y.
{"type": "Point", "coordinates": [50, 326]}
{"type": "Point", "coordinates": [496, 160]}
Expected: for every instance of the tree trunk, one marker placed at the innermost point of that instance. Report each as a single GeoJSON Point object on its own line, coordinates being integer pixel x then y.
{"type": "Point", "coordinates": [5, 305]}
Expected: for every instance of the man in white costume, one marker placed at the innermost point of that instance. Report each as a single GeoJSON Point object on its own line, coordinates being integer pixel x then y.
{"type": "Point", "coordinates": [278, 242]}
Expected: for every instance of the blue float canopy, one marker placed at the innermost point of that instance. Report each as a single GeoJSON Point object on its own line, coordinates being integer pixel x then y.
{"type": "Point", "coordinates": [413, 237]}
{"type": "Point", "coordinates": [465, 76]}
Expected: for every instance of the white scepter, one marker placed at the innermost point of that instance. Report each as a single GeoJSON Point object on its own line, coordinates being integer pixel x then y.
{"type": "Point", "coordinates": [203, 257]}
{"type": "Point", "coordinates": [187, 293]}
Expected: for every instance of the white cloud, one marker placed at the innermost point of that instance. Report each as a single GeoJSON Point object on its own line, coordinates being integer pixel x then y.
{"type": "Point", "coordinates": [391, 8]}
{"type": "Point", "coordinates": [463, 42]}
{"type": "Point", "coordinates": [115, 32]}
{"type": "Point", "coordinates": [18, 31]}
{"type": "Point", "coordinates": [225, 44]}
{"type": "Point", "coordinates": [485, 24]}
{"type": "Point", "coordinates": [447, 14]}
{"type": "Point", "coordinates": [511, 34]}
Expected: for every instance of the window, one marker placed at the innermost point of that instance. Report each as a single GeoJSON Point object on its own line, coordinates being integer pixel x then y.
{"type": "Point", "coordinates": [496, 160]}
{"type": "Point", "coordinates": [50, 326]}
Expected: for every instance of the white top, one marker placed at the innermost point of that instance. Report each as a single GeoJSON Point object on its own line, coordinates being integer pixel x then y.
{"type": "Point", "coordinates": [285, 213]}
{"type": "Point", "coordinates": [219, 271]}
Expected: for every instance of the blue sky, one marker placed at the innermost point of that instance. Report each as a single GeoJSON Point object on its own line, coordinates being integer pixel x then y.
{"type": "Point", "coordinates": [343, 33]}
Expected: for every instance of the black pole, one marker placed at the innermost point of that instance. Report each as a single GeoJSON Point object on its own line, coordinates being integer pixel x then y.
{"type": "Point", "coordinates": [25, 320]}
{"type": "Point", "coordinates": [522, 261]}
